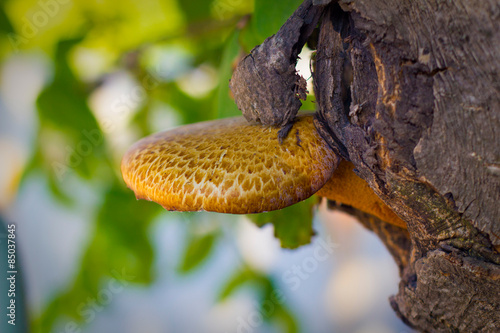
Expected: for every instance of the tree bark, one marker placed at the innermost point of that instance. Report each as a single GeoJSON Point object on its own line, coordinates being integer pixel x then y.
{"type": "Point", "coordinates": [422, 127]}
{"type": "Point", "coordinates": [409, 92]}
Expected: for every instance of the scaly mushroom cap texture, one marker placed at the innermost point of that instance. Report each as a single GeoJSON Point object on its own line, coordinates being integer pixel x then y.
{"type": "Point", "coordinates": [229, 166]}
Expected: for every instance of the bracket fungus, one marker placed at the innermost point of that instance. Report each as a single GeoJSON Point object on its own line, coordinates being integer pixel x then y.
{"type": "Point", "coordinates": [376, 110]}
{"type": "Point", "coordinates": [230, 166]}
{"type": "Point", "coordinates": [276, 160]}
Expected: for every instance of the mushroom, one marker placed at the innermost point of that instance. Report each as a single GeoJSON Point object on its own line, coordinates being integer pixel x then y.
{"type": "Point", "coordinates": [231, 166]}
{"type": "Point", "coordinates": [349, 189]}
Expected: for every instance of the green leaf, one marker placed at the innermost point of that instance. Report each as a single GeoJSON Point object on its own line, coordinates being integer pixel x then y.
{"type": "Point", "coordinates": [284, 316]}
{"type": "Point", "coordinates": [5, 24]}
{"type": "Point", "coordinates": [62, 106]}
{"type": "Point", "coordinates": [196, 10]}
{"type": "Point", "coordinates": [63, 102]}
{"type": "Point", "coordinates": [225, 105]}
{"type": "Point", "coordinates": [239, 278]}
{"type": "Point", "coordinates": [191, 109]}
{"type": "Point", "coordinates": [272, 301]}
{"type": "Point", "coordinates": [309, 104]}
{"type": "Point", "coordinates": [249, 38]}
{"type": "Point", "coordinates": [292, 225]}
{"type": "Point", "coordinates": [198, 249]}
{"type": "Point", "coordinates": [269, 16]}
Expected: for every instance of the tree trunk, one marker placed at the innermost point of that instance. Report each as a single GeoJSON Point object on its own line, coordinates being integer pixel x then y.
{"type": "Point", "coordinates": [422, 126]}
{"type": "Point", "coordinates": [408, 91]}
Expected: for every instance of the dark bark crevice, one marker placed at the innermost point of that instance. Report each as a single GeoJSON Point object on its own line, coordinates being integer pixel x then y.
{"type": "Point", "coordinates": [421, 127]}
{"type": "Point", "coordinates": [448, 97]}
{"type": "Point", "coordinates": [397, 101]}
{"type": "Point", "coordinates": [266, 86]}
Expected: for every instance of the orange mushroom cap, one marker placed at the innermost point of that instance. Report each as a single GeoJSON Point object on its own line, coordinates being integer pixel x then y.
{"type": "Point", "coordinates": [229, 166]}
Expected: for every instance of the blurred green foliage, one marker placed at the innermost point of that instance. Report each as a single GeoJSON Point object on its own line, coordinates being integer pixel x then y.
{"type": "Point", "coordinates": [119, 249]}
{"type": "Point", "coordinates": [162, 46]}
{"type": "Point", "coordinates": [272, 301]}
{"type": "Point", "coordinates": [292, 225]}
{"type": "Point", "coordinates": [199, 247]}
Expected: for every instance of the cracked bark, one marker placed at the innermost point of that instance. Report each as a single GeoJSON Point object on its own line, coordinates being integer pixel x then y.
{"type": "Point", "coordinates": [423, 130]}
{"type": "Point", "coordinates": [265, 84]}
{"type": "Point", "coordinates": [422, 127]}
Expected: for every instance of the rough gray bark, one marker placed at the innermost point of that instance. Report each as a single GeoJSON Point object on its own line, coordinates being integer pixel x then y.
{"type": "Point", "coordinates": [422, 127]}
{"type": "Point", "coordinates": [437, 67]}
{"type": "Point", "coordinates": [271, 67]}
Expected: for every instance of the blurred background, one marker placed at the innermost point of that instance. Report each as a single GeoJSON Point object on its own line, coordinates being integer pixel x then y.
{"type": "Point", "coordinates": [82, 80]}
